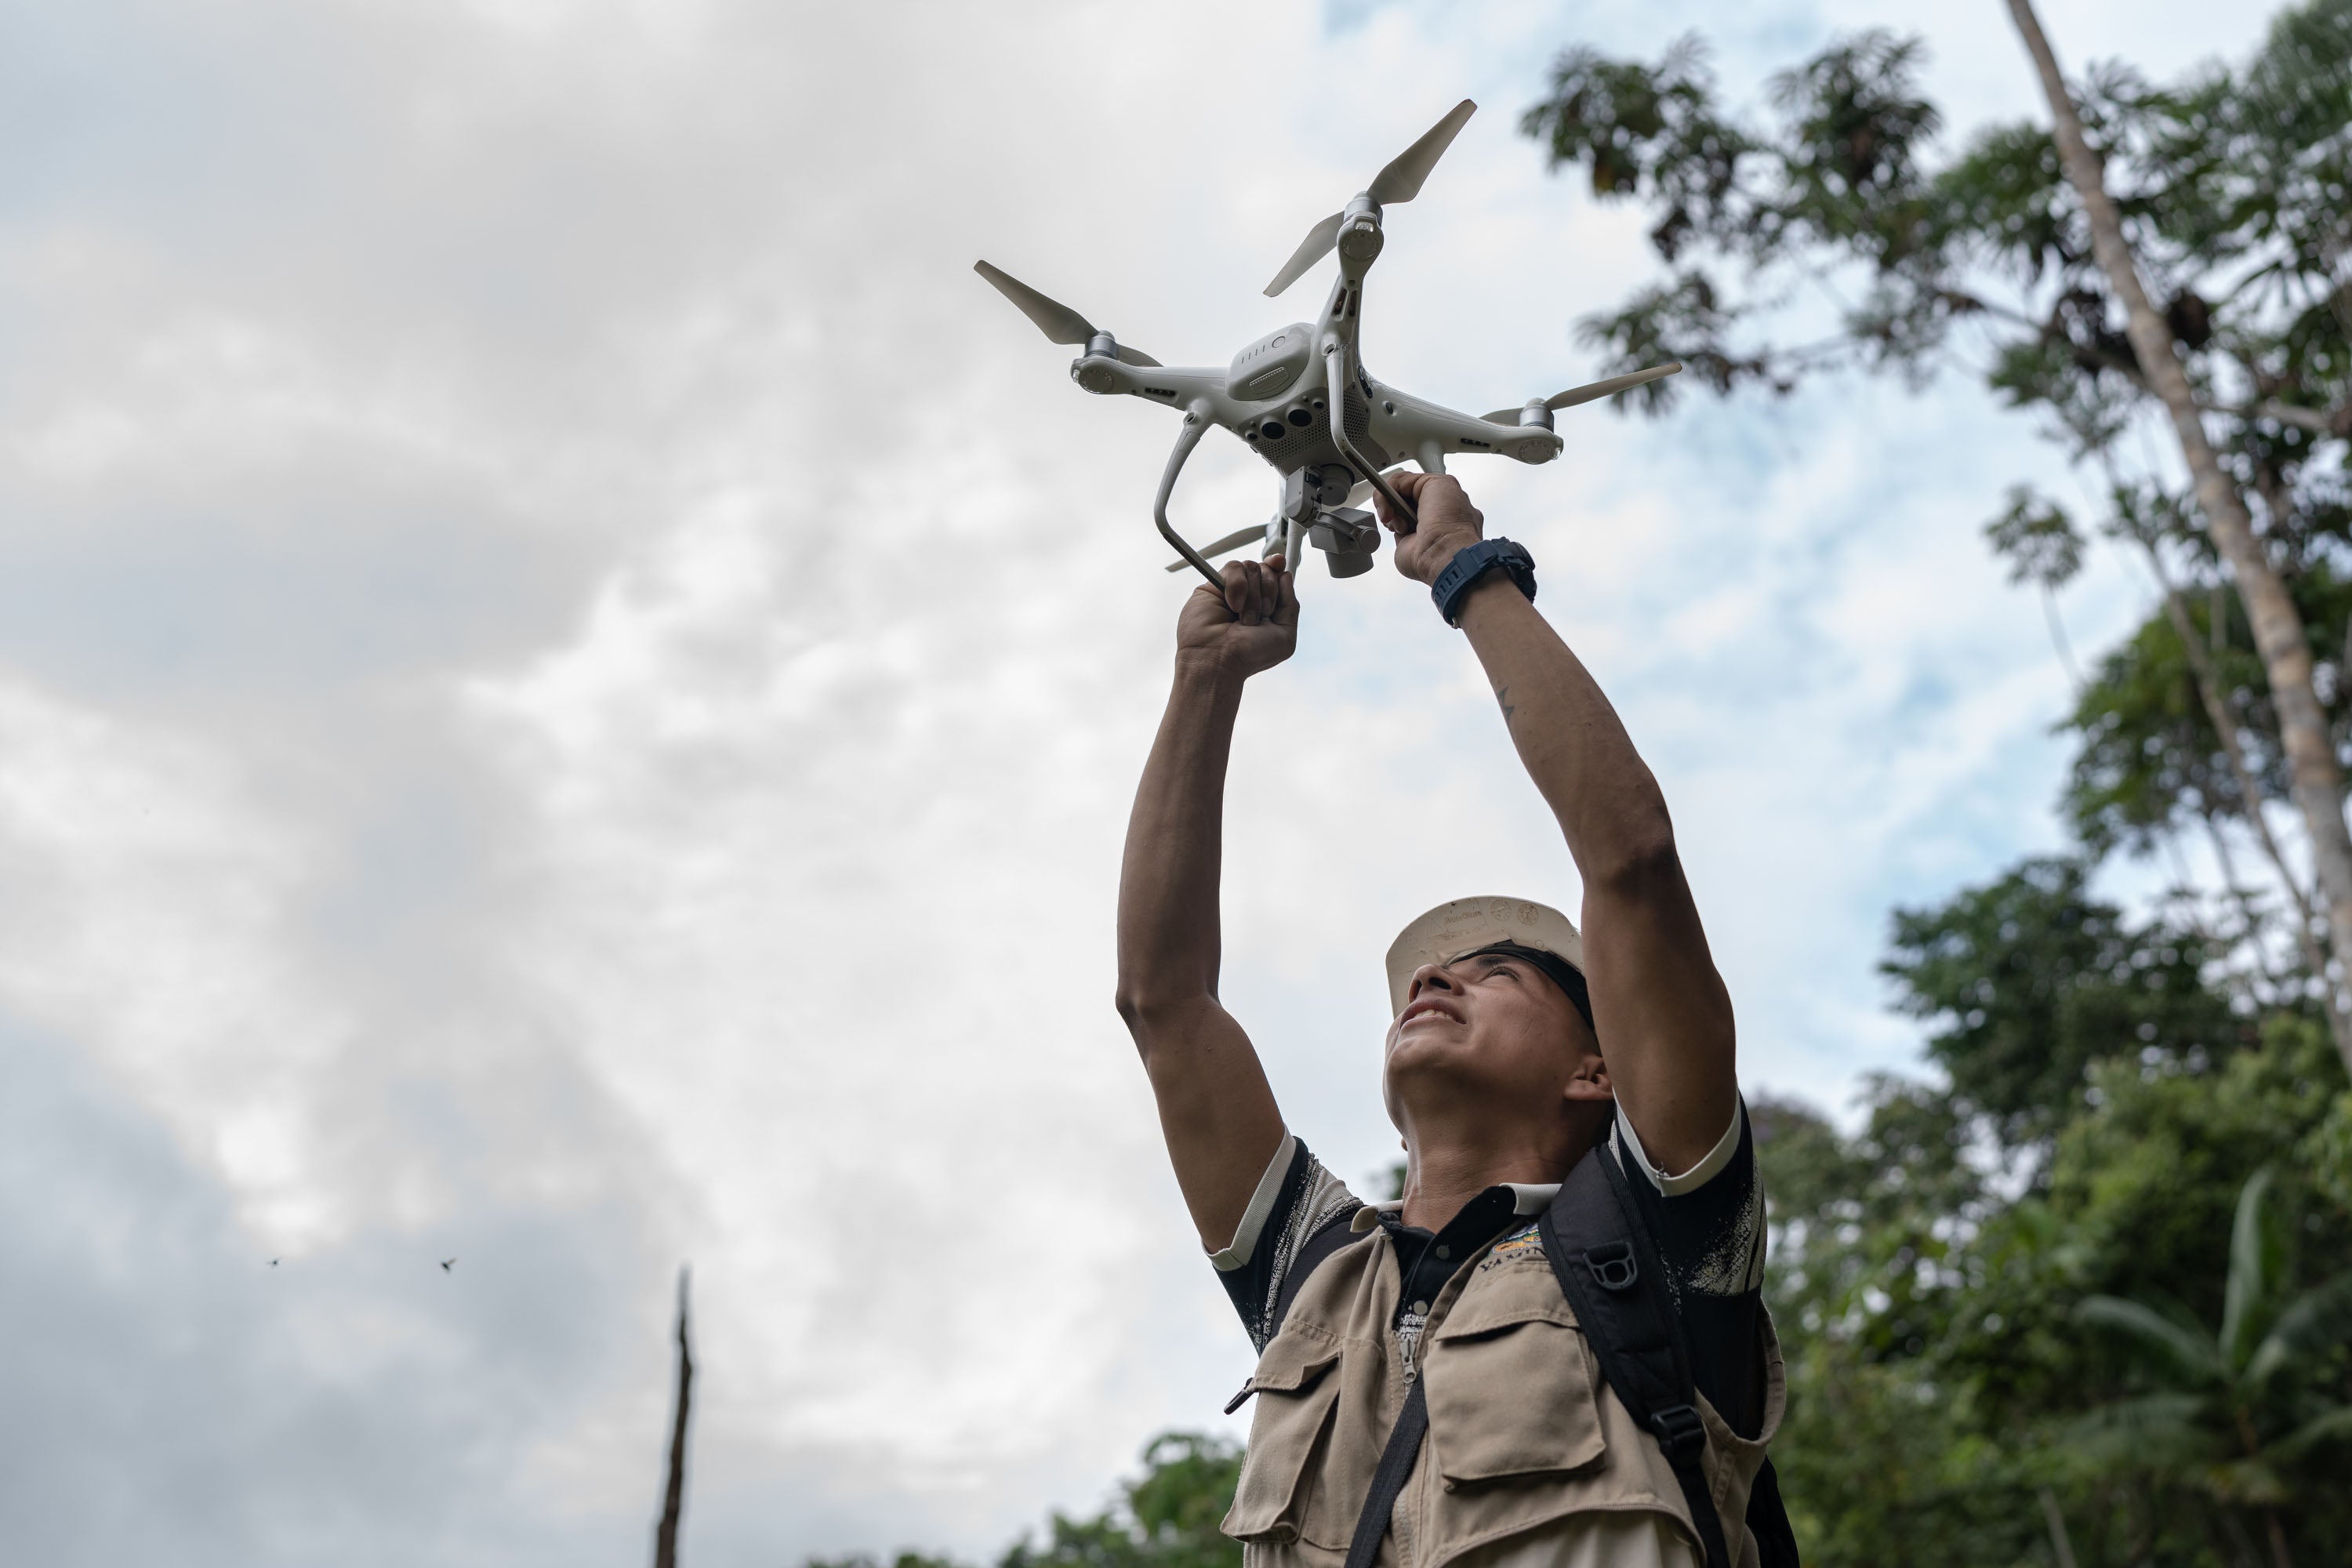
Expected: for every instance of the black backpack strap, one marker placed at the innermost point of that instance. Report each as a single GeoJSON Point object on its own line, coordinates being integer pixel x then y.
{"type": "Point", "coordinates": [1388, 1479]}
{"type": "Point", "coordinates": [1768, 1521]}
{"type": "Point", "coordinates": [1403, 1445]}
{"type": "Point", "coordinates": [1327, 1238]}
{"type": "Point", "coordinates": [1611, 1277]}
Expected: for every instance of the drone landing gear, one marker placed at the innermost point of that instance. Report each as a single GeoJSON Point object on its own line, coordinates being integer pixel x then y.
{"type": "Point", "coordinates": [1335, 377]}
{"type": "Point", "coordinates": [1187, 437]}
{"type": "Point", "coordinates": [1313, 512]}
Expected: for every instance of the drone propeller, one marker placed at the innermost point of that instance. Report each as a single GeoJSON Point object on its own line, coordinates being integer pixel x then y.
{"type": "Point", "coordinates": [1056, 320]}
{"type": "Point", "coordinates": [1586, 393]}
{"type": "Point", "coordinates": [1400, 182]}
{"type": "Point", "coordinates": [1233, 540]}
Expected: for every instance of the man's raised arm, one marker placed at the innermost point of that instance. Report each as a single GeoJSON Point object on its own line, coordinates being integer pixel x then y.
{"type": "Point", "coordinates": [1216, 1110]}
{"type": "Point", "coordinates": [1659, 1008]}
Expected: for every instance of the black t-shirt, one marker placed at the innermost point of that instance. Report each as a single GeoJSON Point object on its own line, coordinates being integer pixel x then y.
{"type": "Point", "coordinates": [1706, 1224]}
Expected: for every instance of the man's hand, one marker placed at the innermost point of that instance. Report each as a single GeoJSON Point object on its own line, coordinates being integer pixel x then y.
{"type": "Point", "coordinates": [1447, 522]}
{"type": "Point", "coordinates": [1252, 626]}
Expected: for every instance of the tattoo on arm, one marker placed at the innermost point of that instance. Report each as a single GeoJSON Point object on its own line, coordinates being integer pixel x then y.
{"type": "Point", "coordinates": [1503, 697]}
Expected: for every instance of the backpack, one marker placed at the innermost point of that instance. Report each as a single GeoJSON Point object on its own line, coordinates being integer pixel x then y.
{"type": "Point", "coordinates": [1609, 1273]}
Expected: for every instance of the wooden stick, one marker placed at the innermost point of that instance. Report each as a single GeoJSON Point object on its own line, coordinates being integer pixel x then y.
{"type": "Point", "coordinates": [673, 1502]}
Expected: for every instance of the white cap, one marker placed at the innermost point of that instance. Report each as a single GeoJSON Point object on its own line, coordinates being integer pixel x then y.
{"type": "Point", "coordinates": [1465, 925]}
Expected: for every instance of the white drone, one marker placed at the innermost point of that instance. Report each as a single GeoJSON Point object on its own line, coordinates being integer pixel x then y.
{"type": "Point", "coordinates": [1330, 433]}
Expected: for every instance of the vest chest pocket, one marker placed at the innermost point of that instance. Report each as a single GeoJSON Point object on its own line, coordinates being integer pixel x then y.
{"type": "Point", "coordinates": [1296, 1385]}
{"type": "Point", "coordinates": [1513, 1388]}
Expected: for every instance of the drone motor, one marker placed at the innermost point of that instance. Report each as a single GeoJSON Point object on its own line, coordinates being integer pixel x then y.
{"type": "Point", "coordinates": [1359, 229]}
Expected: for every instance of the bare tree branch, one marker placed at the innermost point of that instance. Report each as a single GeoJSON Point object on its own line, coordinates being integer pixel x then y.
{"type": "Point", "coordinates": [674, 1501]}
{"type": "Point", "coordinates": [2060, 1542]}
{"type": "Point", "coordinates": [2320, 421]}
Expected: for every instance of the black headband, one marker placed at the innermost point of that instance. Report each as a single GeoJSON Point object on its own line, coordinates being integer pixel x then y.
{"type": "Point", "coordinates": [1562, 974]}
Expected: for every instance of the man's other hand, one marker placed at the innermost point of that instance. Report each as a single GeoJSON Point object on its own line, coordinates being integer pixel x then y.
{"type": "Point", "coordinates": [1445, 522]}
{"type": "Point", "coordinates": [1251, 625]}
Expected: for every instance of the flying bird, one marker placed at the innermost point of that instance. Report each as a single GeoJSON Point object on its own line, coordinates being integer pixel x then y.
{"type": "Point", "coordinates": [445, 1263]}
{"type": "Point", "coordinates": [273, 1263]}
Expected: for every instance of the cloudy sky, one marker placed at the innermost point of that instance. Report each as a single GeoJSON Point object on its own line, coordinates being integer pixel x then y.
{"type": "Point", "coordinates": [570, 680]}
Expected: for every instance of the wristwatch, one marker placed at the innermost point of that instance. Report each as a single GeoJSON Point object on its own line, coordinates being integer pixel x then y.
{"type": "Point", "coordinates": [1473, 562]}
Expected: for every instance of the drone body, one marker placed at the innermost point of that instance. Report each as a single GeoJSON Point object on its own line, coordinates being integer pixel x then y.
{"type": "Point", "coordinates": [1301, 397]}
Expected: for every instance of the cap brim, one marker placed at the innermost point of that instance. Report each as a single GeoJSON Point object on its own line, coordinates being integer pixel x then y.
{"type": "Point", "coordinates": [1465, 925]}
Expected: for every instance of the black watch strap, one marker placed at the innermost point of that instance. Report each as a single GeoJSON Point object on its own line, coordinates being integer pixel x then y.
{"type": "Point", "coordinates": [1473, 562]}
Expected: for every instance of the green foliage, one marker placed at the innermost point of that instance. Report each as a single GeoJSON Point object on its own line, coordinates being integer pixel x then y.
{"type": "Point", "coordinates": [2150, 759]}
{"type": "Point", "coordinates": [1877, 1467]}
{"type": "Point", "coordinates": [2233, 186]}
{"type": "Point", "coordinates": [2037, 539]}
{"type": "Point", "coordinates": [2148, 1179]}
{"type": "Point", "coordinates": [1864, 1228]}
{"type": "Point", "coordinates": [2030, 979]}
{"type": "Point", "coordinates": [1165, 1518]}
{"type": "Point", "coordinates": [1854, 126]}
{"type": "Point", "coordinates": [1682, 319]}
{"type": "Point", "coordinates": [2238, 1414]}
{"type": "Point", "coordinates": [1975, 253]}
{"type": "Point", "coordinates": [1940, 1378]}
{"type": "Point", "coordinates": [868, 1560]}
{"type": "Point", "coordinates": [1645, 128]}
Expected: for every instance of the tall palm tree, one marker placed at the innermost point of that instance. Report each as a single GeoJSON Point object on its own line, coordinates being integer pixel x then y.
{"type": "Point", "coordinates": [2232, 1414]}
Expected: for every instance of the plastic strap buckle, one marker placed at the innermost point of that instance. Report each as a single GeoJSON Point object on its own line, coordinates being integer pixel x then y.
{"type": "Point", "coordinates": [1613, 1263]}
{"type": "Point", "coordinates": [1680, 1432]}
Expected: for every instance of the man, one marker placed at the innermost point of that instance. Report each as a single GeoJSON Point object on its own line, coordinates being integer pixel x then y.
{"type": "Point", "coordinates": [1517, 1047]}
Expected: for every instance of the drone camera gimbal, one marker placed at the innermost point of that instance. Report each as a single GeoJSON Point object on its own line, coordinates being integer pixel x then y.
{"type": "Point", "coordinates": [1316, 500]}
{"type": "Point", "coordinates": [1302, 399]}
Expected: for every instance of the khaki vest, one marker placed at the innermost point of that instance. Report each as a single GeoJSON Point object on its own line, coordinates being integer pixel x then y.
{"type": "Point", "coordinates": [1524, 1433]}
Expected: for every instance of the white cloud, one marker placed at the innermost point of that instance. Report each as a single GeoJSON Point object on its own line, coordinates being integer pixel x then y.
{"type": "Point", "coordinates": [149, 924]}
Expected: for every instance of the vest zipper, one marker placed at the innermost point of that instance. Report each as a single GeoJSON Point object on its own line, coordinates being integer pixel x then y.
{"type": "Point", "coordinates": [1408, 1332]}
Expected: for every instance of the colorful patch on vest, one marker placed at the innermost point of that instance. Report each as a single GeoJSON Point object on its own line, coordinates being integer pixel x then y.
{"type": "Point", "coordinates": [1524, 1242]}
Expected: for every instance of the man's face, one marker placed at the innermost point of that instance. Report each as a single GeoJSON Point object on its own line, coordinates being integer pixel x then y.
{"type": "Point", "coordinates": [1487, 1026]}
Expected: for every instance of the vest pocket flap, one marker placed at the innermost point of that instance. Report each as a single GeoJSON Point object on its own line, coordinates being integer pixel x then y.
{"type": "Point", "coordinates": [1278, 1499]}
{"type": "Point", "coordinates": [1516, 1398]}
{"type": "Point", "coordinates": [1291, 1362]}
{"type": "Point", "coordinates": [1512, 1297]}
